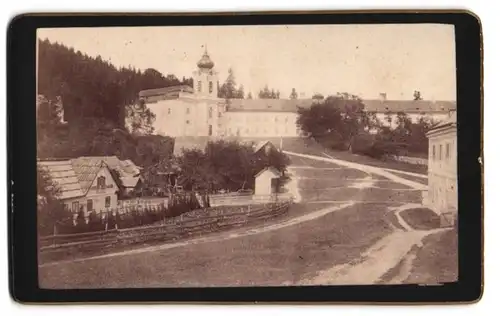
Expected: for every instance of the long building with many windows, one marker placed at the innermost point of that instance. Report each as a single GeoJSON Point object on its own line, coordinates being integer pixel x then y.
{"type": "Point", "coordinates": [197, 112]}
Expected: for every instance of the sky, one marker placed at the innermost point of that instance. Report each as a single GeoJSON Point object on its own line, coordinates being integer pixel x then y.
{"type": "Point", "coordinates": [365, 60]}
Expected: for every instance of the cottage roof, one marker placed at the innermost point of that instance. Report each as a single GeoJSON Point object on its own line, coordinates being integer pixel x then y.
{"type": "Point", "coordinates": [273, 170]}
{"type": "Point", "coordinates": [261, 145]}
{"type": "Point", "coordinates": [75, 176]}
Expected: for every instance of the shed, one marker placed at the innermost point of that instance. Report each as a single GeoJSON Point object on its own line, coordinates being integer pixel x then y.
{"type": "Point", "coordinates": [266, 181]}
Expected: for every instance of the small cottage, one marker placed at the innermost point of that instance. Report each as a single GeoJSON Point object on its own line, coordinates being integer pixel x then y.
{"type": "Point", "coordinates": [267, 181]}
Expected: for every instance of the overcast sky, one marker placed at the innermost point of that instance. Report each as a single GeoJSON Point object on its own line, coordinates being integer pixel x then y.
{"type": "Point", "coordinates": [361, 59]}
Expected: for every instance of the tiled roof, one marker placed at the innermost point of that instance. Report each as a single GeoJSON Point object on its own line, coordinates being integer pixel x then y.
{"type": "Point", "coordinates": [75, 176]}
{"type": "Point", "coordinates": [261, 144]}
{"type": "Point", "coordinates": [285, 105]}
{"type": "Point", "coordinates": [63, 175]}
{"type": "Point", "coordinates": [267, 105]}
{"type": "Point", "coordinates": [166, 90]}
{"type": "Point", "coordinates": [421, 106]}
{"type": "Point", "coordinates": [450, 121]}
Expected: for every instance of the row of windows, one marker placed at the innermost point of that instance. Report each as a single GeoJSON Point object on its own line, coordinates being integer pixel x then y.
{"type": "Point", "coordinates": [75, 206]}
{"type": "Point", "coordinates": [210, 86]}
{"type": "Point", "coordinates": [439, 154]}
{"type": "Point", "coordinates": [258, 118]}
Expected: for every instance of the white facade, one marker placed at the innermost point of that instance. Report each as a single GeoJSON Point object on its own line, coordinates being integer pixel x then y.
{"type": "Point", "coordinates": [260, 124]}
{"type": "Point", "coordinates": [442, 195]}
{"type": "Point", "coordinates": [264, 182]}
{"type": "Point", "coordinates": [99, 198]}
{"type": "Point", "coordinates": [390, 119]}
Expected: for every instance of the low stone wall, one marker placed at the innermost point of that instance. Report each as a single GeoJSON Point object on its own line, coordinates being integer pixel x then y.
{"type": "Point", "coordinates": [410, 160]}
{"type": "Point", "coordinates": [194, 223]}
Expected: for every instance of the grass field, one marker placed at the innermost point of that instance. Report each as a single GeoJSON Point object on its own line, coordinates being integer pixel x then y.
{"type": "Point", "coordinates": [437, 260]}
{"type": "Point", "coordinates": [284, 256]}
{"type": "Point", "coordinates": [308, 146]}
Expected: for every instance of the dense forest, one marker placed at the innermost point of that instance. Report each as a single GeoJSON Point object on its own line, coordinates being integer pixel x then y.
{"type": "Point", "coordinates": [92, 87]}
{"type": "Point", "coordinates": [93, 96]}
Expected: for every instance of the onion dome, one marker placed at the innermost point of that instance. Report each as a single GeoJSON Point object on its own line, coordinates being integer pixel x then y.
{"type": "Point", "coordinates": [205, 61]}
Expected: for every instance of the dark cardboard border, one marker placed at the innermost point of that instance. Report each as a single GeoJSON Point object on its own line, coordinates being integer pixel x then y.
{"type": "Point", "coordinates": [23, 269]}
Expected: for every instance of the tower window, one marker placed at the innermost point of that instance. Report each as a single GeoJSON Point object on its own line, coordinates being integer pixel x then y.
{"type": "Point", "coordinates": [199, 86]}
{"type": "Point", "coordinates": [210, 87]}
{"type": "Point", "coordinates": [210, 112]}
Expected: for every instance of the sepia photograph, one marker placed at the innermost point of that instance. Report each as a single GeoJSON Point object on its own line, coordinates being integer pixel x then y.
{"type": "Point", "coordinates": [246, 156]}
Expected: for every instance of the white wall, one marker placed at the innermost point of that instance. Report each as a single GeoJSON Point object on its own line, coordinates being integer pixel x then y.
{"type": "Point", "coordinates": [443, 193]}
{"type": "Point", "coordinates": [186, 116]}
{"type": "Point", "coordinates": [98, 197]}
{"type": "Point", "coordinates": [261, 124]}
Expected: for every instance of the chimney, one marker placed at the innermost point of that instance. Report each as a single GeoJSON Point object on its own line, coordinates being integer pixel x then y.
{"type": "Point", "coordinates": [383, 97]}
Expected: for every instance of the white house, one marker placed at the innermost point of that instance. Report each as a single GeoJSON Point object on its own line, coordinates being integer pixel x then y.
{"type": "Point", "coordinates": [442, 194]}
{"type": "Point", "coordinates": [266, 182]}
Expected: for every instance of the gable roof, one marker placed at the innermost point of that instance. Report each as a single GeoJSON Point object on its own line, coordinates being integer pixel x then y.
{"type": "Point", "coordinates": [450, 122]}
{"type": "Point", "coordinates": [174, 90]}
{"type": "Point", "coordinates": [74, 177]}
{"type": "Point", "coordinates": [261, 145]}
{"type": "Point", "coordinates": [267, 105]}
{"type": "Point", "coordinates": [273, 170]}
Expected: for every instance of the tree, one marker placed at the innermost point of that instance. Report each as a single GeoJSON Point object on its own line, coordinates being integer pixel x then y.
{"type": "Point", "coordinates": [249, 95]}
{"type": "Point", "coordinates": [293, 95]}
{"type": "Point", "coordinates": [51, 211]}
{"type": "Point", "coordinates": [228, 88]}
{"type": "Point", "coordinates": [139, 118]}
{"type": "Point", "coordinates": [416, 95]}
{"type": "Point", "coordinates": [337, 121]}
{"type": "Point", "coordinates": [240, 94]}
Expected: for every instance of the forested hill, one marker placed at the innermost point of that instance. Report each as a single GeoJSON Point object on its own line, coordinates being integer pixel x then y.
{"type": "Point", "coordinates": [92, 87]}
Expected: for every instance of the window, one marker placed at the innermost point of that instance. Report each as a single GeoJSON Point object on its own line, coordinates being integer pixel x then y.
{"type": "Point", "coordinates": [433, 152]}
{"type": "Point", "coordinates": [75, 206]}
{"type": "Point", "coordinates": [90, 206]}
{"type": "Point", "coordinates": [168, 111]}
{"type": "Point", "coordinates": [219, 114]}
{"type": "Point", "coordinates": [101, 182]}
{"type": "Point", "coordinates": [188, 111]}
{"type": "Point", "coordinates": [107, 201]}
{"type": "Point", "coordinates": [276, 119]}
{"type": "Point", "coordinates": [286, 119]}
{"type": "Point", "coordinates": [187, 121]}
{"type": "Point", "coordinates": [209, 130]}
{"type": "Point", "coordinates": [440, 151]}
{"type": "Point", "coordinates": [210, 87]}
{"type": "Point", "coordinates": [210, 112]}
{"type": "Point", "coordinates": [447, 151]}
{"type": "Point", "coordinates": [199, 86]}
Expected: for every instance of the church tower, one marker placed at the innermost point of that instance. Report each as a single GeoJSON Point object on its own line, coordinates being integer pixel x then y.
{"type": "Point", "coordinates": [205, 79]}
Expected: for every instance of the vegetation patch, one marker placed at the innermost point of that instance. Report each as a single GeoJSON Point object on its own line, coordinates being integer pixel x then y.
{"type": "Point", "coordinates": [421, 218]}
{"type": "Point", "coordinates": [437, 260]}
{"type": "Point", "coordinates": [286, 255]}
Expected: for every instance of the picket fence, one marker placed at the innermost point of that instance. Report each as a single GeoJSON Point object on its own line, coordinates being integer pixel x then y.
{"type": "Point", "coordinates": [189, 224]}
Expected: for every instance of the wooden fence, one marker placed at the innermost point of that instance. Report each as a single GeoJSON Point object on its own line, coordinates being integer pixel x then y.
{"type": "Point", "coordinates": [190, 224]}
